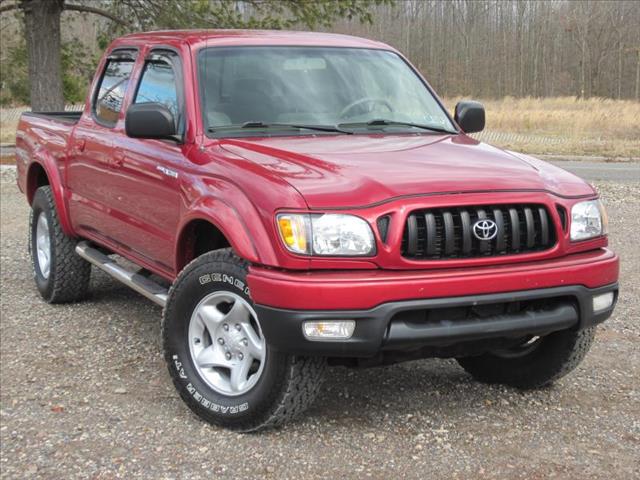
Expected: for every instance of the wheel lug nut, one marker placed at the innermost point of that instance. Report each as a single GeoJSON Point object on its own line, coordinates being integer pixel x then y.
{"type": "Point", "coordinates": [238, 327]}
{"type": "Point", "coordinates": [221, 341]}
{"type": "Point", "coordinates": [227, 356]}
{"type": "Point", "coordinates": [245, 342]}
{"type": "Point", "coordinates": [240, 356]}
{"type": "Point", "coordinates": [226, 327]}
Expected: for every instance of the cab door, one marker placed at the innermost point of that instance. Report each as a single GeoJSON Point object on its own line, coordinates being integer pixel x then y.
{"type": "Point", "coordinates": [148, 194]}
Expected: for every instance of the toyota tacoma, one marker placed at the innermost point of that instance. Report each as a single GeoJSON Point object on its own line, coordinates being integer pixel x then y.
{"type": "Point", "coordinates": [297, 200]}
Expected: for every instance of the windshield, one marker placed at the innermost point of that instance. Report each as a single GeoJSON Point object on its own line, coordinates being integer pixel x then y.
{"type": "Point", "coordinates": [262, 88]}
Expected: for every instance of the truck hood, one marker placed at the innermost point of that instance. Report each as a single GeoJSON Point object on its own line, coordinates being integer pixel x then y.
{"type": "Point", "coordinates": [353, 171]}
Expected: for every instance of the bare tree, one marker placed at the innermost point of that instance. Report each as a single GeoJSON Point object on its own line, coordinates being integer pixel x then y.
{"type": "Point", "coordinates": [519, 48]}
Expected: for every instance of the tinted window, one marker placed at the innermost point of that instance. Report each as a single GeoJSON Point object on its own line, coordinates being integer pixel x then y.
{"type": "Point", "coordinates": [112, 89]}
{"type": "Point", "coordinates": [158, 85]}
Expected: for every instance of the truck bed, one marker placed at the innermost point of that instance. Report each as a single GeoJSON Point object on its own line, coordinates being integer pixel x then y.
{"type": "Point", "coordinates": [66, 117]}
{"type": "Point", "coordinates": [44, 136]}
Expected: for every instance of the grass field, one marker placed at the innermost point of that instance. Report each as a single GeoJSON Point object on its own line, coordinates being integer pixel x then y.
{"type": "Point", "coordinates": [556, 126]}
{"type": "Point", "coordinates": [563, 125]}
{"type": "Point", "coordinates": [8, 131]}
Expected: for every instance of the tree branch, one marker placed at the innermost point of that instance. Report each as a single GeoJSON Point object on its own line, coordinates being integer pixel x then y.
{"type": "Point", "coordinates": [7, 8]}
{"type": "Point", "coordinates": [97, 11]}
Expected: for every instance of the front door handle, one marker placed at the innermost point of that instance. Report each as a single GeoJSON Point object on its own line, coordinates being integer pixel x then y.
{"type": "Point", "coordinates": [117, 161]}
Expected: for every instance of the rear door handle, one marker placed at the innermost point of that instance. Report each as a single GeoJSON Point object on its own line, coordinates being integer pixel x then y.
{"type": "Point", "coordinates": [79, 147]}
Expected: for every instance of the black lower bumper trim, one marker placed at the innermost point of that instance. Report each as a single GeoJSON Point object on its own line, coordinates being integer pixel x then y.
{"type": "Point", "coordinates": [403, 333]}
{"type": "Point", "coordinates": [408, 324]}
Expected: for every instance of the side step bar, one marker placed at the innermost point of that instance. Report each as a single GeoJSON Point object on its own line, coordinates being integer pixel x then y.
{"type": "Point", "coordinates": [137, 282]}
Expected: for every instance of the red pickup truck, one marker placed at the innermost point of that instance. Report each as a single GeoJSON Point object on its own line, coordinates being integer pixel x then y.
{"type": "Point", "coordinates": [298, 200]}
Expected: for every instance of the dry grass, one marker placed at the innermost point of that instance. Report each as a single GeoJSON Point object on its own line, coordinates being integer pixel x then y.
{"type": "Point", "coordinates": [8, 131]}
{"type": "Point", "coordinates": [564, 125]}
{"type": "Point", "coordinates": [8, 160]}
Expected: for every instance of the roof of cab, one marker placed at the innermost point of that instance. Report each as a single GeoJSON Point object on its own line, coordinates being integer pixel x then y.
{"type": "Point", "coordinates": [200, 38]}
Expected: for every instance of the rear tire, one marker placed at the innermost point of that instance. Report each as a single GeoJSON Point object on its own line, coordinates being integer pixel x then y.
{"type": "Point", "coordinates": [526, 367]}
{"type": "Point", "coordinates": [60, 274]}
{"type": "Point", "coordinates": [202, 356]}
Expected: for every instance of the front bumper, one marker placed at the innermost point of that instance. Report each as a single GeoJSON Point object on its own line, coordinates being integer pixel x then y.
{"type": "Point", "coordinates": [407, 325]}
{"type": "Point", "coordinates": [391, 309]}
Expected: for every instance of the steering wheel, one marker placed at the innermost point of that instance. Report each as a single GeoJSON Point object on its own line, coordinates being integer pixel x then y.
{"type": "Point", "coordinates": [363, 101]}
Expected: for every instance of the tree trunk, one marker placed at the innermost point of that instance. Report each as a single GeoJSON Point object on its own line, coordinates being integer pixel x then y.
{"type": "Point", "coordinates": [42, 31]}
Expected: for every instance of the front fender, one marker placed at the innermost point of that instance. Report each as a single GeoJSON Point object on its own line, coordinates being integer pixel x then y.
{"type": "Point", "coordinates": [240, 230]}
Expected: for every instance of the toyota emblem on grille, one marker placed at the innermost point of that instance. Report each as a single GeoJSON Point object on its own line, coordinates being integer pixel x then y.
{"type": "Point", "coordinates": [485, 229]}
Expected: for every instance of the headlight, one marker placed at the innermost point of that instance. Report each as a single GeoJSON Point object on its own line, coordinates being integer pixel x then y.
{"type": "Point", "coordinates": [326, 234]}
{"type": "Point", "coordinates": [588, 220]}
{"type": "Point", "coordinates": [341, 235]}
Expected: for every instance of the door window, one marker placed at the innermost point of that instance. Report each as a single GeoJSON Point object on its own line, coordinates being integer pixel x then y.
{"type": "Point", "coordinates": [159, 85]}
{"type": "Point", "coordinates": [113, 86]}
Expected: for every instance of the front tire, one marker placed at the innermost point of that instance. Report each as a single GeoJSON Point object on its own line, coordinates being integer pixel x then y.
{"type": "Point", "coordinates": [534, 363]}
{"type": "Point", "coordinates": [218, 358]}
{"type": "Point", "coordinates": [60, 274]}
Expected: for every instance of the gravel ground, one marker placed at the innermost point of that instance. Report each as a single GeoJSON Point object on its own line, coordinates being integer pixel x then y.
{"type": "Point", "coordinates": [85, 394]}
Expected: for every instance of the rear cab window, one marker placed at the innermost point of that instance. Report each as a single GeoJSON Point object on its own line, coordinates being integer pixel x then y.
{"type": "Point", "coordinates": [112, 88]}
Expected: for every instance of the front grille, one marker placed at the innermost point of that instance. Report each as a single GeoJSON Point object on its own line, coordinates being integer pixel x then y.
{"type": "Point", "coordinates": [445, 233]}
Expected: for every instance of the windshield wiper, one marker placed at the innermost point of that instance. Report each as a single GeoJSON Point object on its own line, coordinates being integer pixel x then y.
{"type": "Point", "coordinates": [382, 122]}
{"type": "Point", "coordinates": [249, 125]}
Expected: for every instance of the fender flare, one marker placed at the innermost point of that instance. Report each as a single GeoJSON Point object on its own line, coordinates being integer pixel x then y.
{"type": "Point", "coordinates": [231, 225]}
{"type": "Point", "coordinates": [55, 182]}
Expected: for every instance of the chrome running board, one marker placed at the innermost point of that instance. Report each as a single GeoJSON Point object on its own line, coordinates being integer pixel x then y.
{"type": "Point", "coordinates": [139, 283]}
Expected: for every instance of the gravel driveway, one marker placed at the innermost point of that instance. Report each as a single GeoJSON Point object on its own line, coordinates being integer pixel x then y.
{"type": "Point", "coordinates": [85, 393]}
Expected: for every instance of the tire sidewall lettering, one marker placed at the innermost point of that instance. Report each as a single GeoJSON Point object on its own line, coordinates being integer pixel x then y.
{"type": "Point", "coordinates": [201, 398]}
{"type": "Point", "coordinates": [218, 277]}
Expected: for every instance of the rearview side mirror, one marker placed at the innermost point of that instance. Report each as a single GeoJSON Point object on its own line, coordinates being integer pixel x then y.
{"type": "Point", "coordinates": [470, 116]}
{"type": "Point", "coordinates": [149, 120]}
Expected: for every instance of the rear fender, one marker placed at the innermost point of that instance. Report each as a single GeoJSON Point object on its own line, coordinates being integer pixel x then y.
{"type": "Point", "coordinates": [46, 162]}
